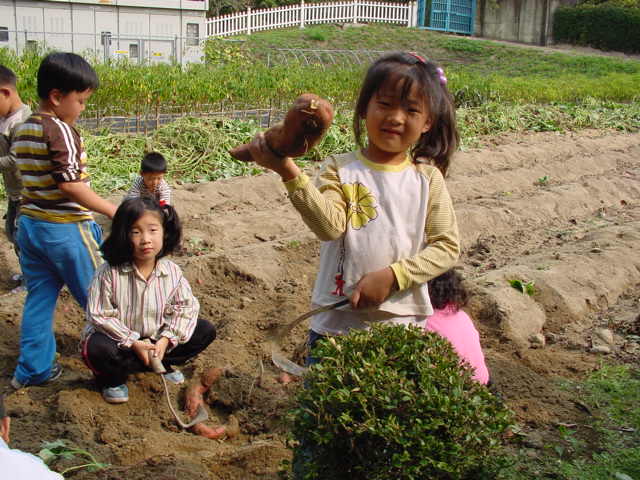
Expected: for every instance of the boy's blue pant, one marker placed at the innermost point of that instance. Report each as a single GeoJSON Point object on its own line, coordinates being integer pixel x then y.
{"type": "Point", "coordinates": [51, 255]}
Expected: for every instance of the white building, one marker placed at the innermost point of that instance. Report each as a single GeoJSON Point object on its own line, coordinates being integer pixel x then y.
{"type": "Point", "coordinates": [142, 30]}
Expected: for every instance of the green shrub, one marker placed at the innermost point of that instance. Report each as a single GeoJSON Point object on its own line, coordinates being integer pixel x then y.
{"type": "Point", "coordinates": [395, 403]}
{"type": "Point", "coordinates": [606, 27]}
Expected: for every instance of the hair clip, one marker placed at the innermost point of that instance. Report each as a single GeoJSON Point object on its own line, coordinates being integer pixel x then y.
{"type": "Point", "coordinates": [418, 57]}
{"type": "Point", "coordinates": [441, 77]}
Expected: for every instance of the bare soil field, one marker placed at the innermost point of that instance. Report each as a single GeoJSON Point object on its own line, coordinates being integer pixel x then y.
{"type": "Point", "coordinates": [561, 210]}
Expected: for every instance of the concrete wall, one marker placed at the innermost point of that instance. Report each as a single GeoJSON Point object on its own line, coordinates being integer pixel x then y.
{"type": "Point", "coordinates": [526, 21]}
{"type": "Point", "coordinates": [152, 34]}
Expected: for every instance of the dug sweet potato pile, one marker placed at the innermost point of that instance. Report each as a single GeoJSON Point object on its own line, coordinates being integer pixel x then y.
{"type": "Point", "coordinates": [304, 126]}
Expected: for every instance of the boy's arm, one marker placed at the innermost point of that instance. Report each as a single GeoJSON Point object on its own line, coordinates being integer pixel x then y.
{"type": "Point", "coordinates": [164, 191]}
{"type": "Point", "coordinates": [68, 158]}
{"type": "Point", "coordinates": [442, 238]}
{"type": "Point", "coordinates": [6, 161]}
{"type": "Point", "coordinates": [135, 190]}
{"type": "Point", "coordinates": [81, 193]}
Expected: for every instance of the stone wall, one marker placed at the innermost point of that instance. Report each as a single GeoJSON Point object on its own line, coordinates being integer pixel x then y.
{"type": "Point", "coordinates": [526, 21]}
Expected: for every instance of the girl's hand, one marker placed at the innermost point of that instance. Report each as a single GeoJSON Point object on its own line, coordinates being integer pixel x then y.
{"type": "Point", "coordinates": [373, 289]}
{"type": "Point", "coordinates": [264, 156]}
{"type": "Point", "coordinates": [142, 349]}
{"type": "Point", "coordinates": [160, 348]}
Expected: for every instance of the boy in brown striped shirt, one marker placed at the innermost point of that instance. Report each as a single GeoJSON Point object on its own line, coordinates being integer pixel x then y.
{"type": "Point", "coordinates": [57, 236]}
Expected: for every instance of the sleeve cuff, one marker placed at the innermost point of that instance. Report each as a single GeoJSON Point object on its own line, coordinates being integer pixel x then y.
{"type": "Point", "coordinates": [127, 342]}
{"type": "Point", "coordinates": [401, 276]}
{"type": "Point", "coordinates": [296, 183]}
{"type": "Point", "coordinates": [173, 339]}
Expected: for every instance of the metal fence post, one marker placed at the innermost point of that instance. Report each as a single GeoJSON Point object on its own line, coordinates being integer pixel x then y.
{"type": "Point", "coordinates": [302, 14]}
{"type": "Point", "coordinates": [248, 20]}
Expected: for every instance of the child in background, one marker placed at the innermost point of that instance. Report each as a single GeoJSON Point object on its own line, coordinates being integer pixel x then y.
{"type": "Point", "coordinates": [57, 236]}
{"type": "Point", "coordinates": [151, 181]}
{"type": "Point", "coordinates": [12, 113]}
{"type": "Point", "coordinates": [383, 213]}
{"type": "Point", "coordinates": [139, 294]}
{"type": "Point", "coordinates": [448, 295]}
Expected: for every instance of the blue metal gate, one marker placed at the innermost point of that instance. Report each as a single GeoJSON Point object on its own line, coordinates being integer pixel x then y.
{"type": "Point", "coordinates": [457, 16]}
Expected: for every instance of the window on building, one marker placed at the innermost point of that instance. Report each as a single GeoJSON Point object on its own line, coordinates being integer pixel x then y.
{"type": "Point", "coordinates": [4, 34]}
{"type": "Point", "coordinates": [193, 34]}
{"type": "Point", "coordinates": [105, 38]}
{"type": "Point", "coordinates": [133, 51]}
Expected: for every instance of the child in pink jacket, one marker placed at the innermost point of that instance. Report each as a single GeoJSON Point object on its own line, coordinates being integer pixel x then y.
{"type": "Point", "coordinates": [448, 296]}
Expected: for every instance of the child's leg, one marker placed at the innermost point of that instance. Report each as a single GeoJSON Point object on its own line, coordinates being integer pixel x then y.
{"type": "Point", "coordinates": [203, 335]}
{"type": "Point", "coordinates": [110, 364]}
{"type": "Point", "coordinates": [37, 341]}
{"type": "Point", "coordinates": [311, 342]}
{"type": "Point", "coordinates": [78, 262]}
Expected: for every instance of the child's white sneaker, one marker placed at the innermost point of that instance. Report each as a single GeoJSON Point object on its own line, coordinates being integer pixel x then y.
{"type": "Point", "coordinates": [176, 377]}
{"type": "Point", "coordinates": [119, 394]}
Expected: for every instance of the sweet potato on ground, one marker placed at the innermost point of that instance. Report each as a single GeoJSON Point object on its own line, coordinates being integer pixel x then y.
{"type": "Point", "coordinates": [304, 125]}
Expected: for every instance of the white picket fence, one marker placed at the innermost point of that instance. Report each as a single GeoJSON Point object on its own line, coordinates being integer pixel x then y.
{"type": "Point", "coordinates": [312, 13]}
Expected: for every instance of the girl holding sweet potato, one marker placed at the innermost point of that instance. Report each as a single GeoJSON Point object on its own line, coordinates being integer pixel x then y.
{"type": "Point", "coordinates": [383, 212]}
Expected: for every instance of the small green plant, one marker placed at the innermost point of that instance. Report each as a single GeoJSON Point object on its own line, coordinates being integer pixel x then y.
{"type": "Point", "coordinates": [61, 449]}
{"type": "Point", "coordinates": [528, 288]}
{"type": "Point", "coordinates": [294, 244]}
{"type": "Point", "coordinates": [394, 402]}
{"type": "Point", "coordinates": [543, 181]}
{"type": "Point", "coordinates": [316, 35]}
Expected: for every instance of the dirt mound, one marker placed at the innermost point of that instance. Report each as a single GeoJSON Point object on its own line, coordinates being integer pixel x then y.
{"type": "Point", "coordinates": [560, 211]}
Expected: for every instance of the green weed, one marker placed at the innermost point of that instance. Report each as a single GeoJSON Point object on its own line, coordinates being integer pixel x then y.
{"type": "Point", "coordinates": [542, 181]}
{"type": "Point", "coordinates": [62, 450]}
{"type": "Point", "coordinates": [528, 288]}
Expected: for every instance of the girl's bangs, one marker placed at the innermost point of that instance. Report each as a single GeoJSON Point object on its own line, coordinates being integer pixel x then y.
{"type": "Point", "coordinates": [402, 78]}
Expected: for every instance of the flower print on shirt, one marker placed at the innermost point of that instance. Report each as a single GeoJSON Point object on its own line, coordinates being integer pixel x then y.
{"type": "Point", "coordinates": [361, 204]}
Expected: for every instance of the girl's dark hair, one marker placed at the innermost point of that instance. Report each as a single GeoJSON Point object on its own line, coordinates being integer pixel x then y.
{"type": "Point", "coordinates": [118, 249]}
{"type": "Point", "coordinates": [448, 289]}
{"type": "Point", "coordinates": [66, 72]}
{"type": "Point", "coordinates": [441, 140]}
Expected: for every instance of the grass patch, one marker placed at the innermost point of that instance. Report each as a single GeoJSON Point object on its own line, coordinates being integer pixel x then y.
{"type": "Point", "coordinates": [608, 446]}
{"type": "Point", "coordinates": [197, 148]}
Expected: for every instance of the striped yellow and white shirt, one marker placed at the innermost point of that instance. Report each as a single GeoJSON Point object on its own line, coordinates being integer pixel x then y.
{"type": "Point", "coordinates": [371, 216]}
{"type": "Point", "coordinates": [126, 307]}
{"type": "Point", "coordinates": [48, 151]}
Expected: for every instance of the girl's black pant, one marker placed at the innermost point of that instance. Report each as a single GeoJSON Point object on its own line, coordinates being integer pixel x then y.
{"type": "Point", "coordinates": [112, 365]}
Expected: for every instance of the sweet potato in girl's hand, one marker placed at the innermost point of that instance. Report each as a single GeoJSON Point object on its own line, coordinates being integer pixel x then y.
{"type": "Point", "coordinates": [305, 124]}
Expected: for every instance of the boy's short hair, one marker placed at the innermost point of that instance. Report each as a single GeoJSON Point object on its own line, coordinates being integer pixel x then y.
{"type": "Point", "coordinates": [66, 72]}
{"type": "Point", "coordinates": [153, 162]}
{"type": "Point", "coordinates": [7, 77]}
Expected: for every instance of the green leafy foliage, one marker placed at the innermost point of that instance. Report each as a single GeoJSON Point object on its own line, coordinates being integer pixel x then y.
{"type": "Point", "coordinates": [543, 181]}
{"type": "Point", "coordinates": [608, 27]}
{"type": "Point", "coordinates": [394, 402]}
{"type": "Point", "coordinates": [60, 449]}
{"type": "Point", "coordinates": [528, 288]}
